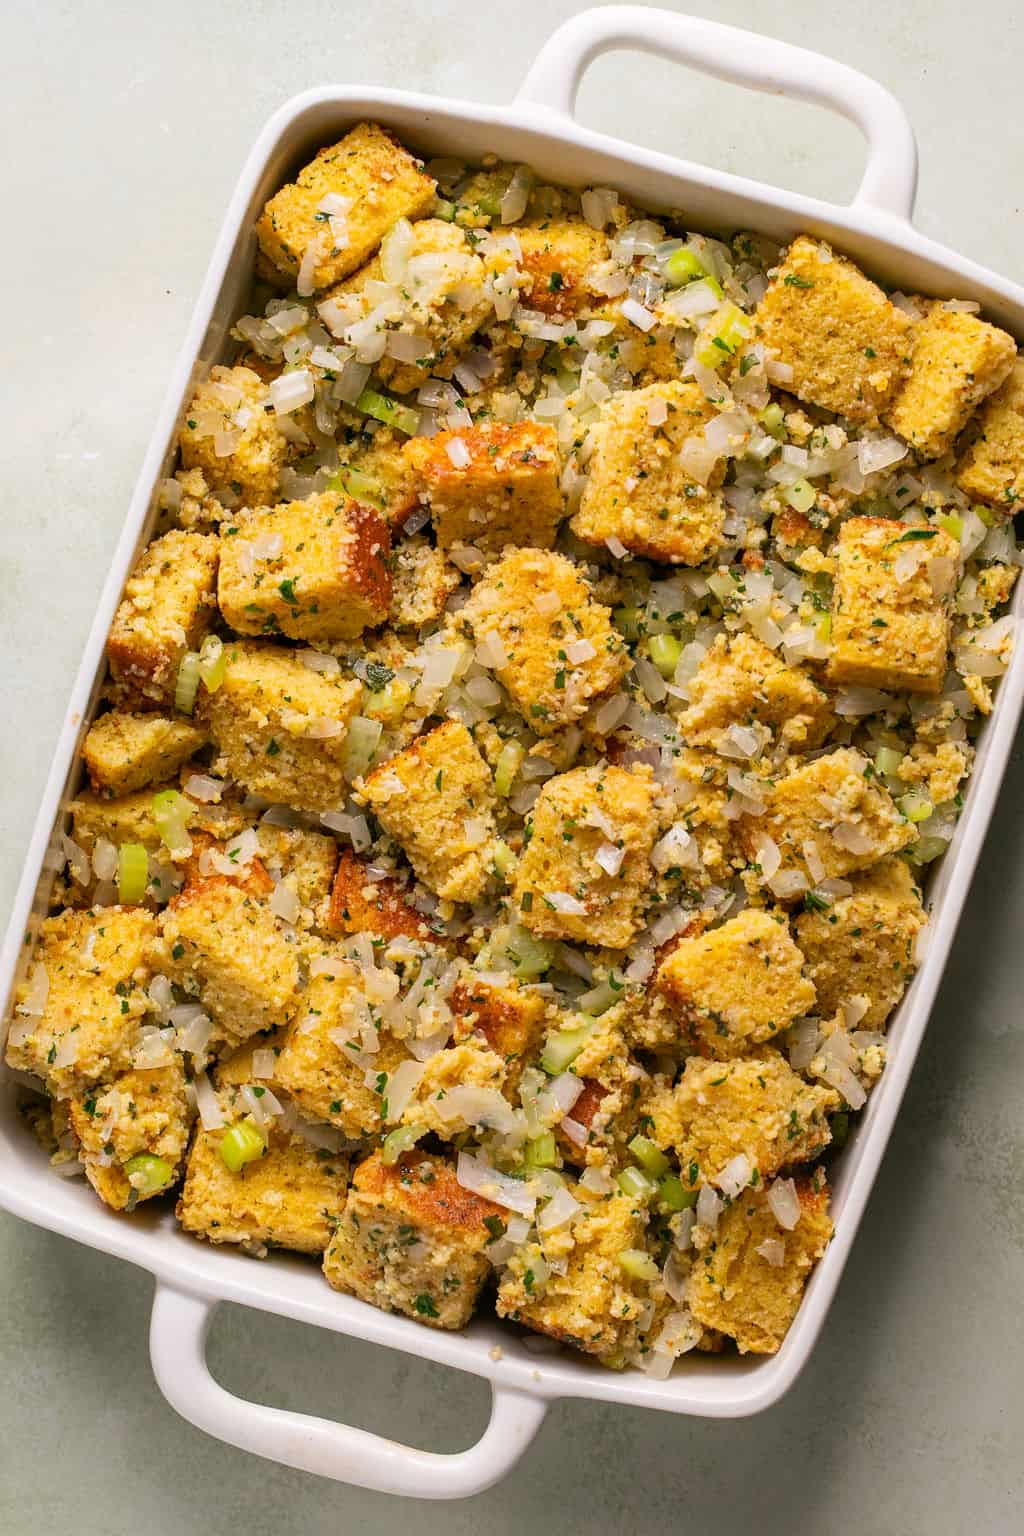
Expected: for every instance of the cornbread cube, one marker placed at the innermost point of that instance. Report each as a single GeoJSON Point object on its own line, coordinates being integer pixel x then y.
{"type": "Point", "coordinates": [362, 905]}
{"type": "Point", "coordinates": [863, 944]}
{"type": "Point", "coordinates": [832, 810]}
{"type": "Point", "coordinates": [380, 183]}
{"type": "Point", "coordinates": [279, 727]}
{"type": "Point", "coordinates": [470, 1064]}
{"type": "Point", "coordinates": [96, 964]}
{"type": "Point", "coordinates": [144, 1111]}
{"type": "Point", "coordinates": [168, 606]}
{"type": "Point", "coordinates": [436, 799]}
{"type": "Point", "coordinates": [304, 861]}
{"type": "Point", "coordinates": [329, 579]}
{"type": "Point", "coordinates": [848, 347]}
{"type": "Point", "coordinates": [224, 946]}
{"type": "Point", "coordinates": [508, 1017]}
{"type": "Point", "coordinates": [443, 301]}
{"type": "Point", "coordinates": [291, 1197]}
{"type": "Point", "coordinates": [559, 257]}
{"type": "Point", "coordinates": [742, 682]}
{"type": "Point", "coordinates": [737, 1290]}
{"type": "Point", "coordinates": [558, 662]}
{"type": "Point", "coordinates": [332, 1082]}
{"type": "Point", "coordinates": [492, 484]}
{"type": "Point", "coordinates": [958, 360]}
{"type": "Point", "coordinates": [129, 819]}
{"type": "Point", "coordinates": [737, 985]}
{"type": "Point", "coordinates": [637, 490]}
{"type": "Point", "coordinates": [125, 752]}
{"type": "Point", "coordinates": [595, 1305]}
{"type": "Point", "coordinates": [562, 888]}
{"type": "Point", "coordinates": [891, 605]}
{"type": "Point", "coordinates": [992, 468]}
{"type": "Point", "coordinates": [387, 480]}
{"type": "Point", "coordinates": [412, 1240]}
{"type": "Point", "coordinates": [939, 769]}
{"type": "Point", "coordinates": [756, 1105]}
{"type": "Point", "coordinates": [231, 434]}
{"type": "Point", "coordinates": [423, 581]}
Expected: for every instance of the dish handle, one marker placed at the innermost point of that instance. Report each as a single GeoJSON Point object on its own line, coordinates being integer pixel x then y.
{"type": "Point", "coordinates": [743, 58]}
{"type": "Point", "coordinates": [177, 1344]}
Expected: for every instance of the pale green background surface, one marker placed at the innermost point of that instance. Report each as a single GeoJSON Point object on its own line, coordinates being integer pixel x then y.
{"type": "Point", "coordinates": [123, 129]}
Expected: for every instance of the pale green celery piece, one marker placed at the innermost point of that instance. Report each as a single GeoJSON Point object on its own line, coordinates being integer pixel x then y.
{"type": "Point", "coordinates": [887, 761]}
{"type": "Point", "coordinates": [665, 652]}
{"type": "Point", "coordinates": [390, 412]}
{"type": "Point", "coordinates": [148, 1174]}
{"type": "Point", "coordinates": [636, 1184]}
{"type": "Point", "coordinates": [403, 1139]}
{"type": "Point", "coordinates": [172, 814]}
{"type": "Point", "coordinates": [361, 743]}
{"type": "Point", "coordinates": [639, 1265]}
{"type": "Point", "coordinates": [510, 760]}
{"type": "Point", "coordinates": [541, 1151]}
{"type": "Point", "coordinates": [801, 495]}
{"type": "Point", "coordinates": [241, 1144]}
{"type": "Point", "coordinates": [132, 873]}
{"type": "Point", "coordinates": [213, 662]}
{"type": "Point", "coordinates": [563, 1046]}
{"type": "Point", "coordinates": [187, 684]}
{"type": "Point", "coordinates": [915, 807]}
{"type": "Point", "coordinates": [650, 1157]}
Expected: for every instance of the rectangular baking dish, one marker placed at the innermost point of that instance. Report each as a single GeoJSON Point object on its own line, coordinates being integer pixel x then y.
{"type": "Point", "coordinates": [192, 1278]}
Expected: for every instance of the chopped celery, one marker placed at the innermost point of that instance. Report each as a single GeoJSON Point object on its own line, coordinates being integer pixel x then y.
{"type": "Point", "coordinates": [390, 412]}
{"type": "Point", "coordinates": [361, 743]}
{"type": "Point", "coordinates": [636, 1184]}
{"type": "Point", "coordinates": [443, 209]}
{"type": "Point", "coordinates": [401, 1140]}
{"type": "Point", "coordinates": [651, 1159]}
{"type": "Point", "coordinates": [387, 703]}
{"type": "Point", "coordinates": [530, 957]}
{"type": "Point", "coordinates": [773, 421]}
{"type": "Point", "coordinates": [722, 336]}
{"type": "Point", "coordinates": [187, 685]}
{"type": "Point", "coordinates": [241, 1144]}
{"type": "Point", "coordinates": [504, 859]}
{"type": "Point", "coordinates": [665, 651]}
{"type": "Point", "coordinates": [823, 628]}
{"type": "Point", "coordinates": [926, 849]}
{"type": "Point", "coordinates": [132, 873]}
{"type": "Point", "coordinates": [801, 495]}
{"type": "Point", "coordinates": [639, 1265]}
{"type": "Point", "coordinates": [541, 1151]}
{"type": "Point", "coordinates": [953, 524]}
{"type": "Point", "coordinates": [505, 769]}
{"type": "Point", "coordinates": [887, 761]}
{"type": "Point", "coordinates": [627, 621]}
{"type": "Point", "coordinates": [563, 1046]}
{"type": "Point", "coordinates": [988, 517]}
{"type": "Point", "coordinates": [915, 807]}
{"type": "Point", "coordinates": [682, 267]}
{"type": "Point", "coordinates": [213, 662]}
{"type": "Point", "coordinates": [672, 1196]}
{"type": "Point", "coordinates": [357, 485]}
{"type": "Point", "coordinates": [172, 814]}
{"type": "Point", "coordinates": [148, 1174]}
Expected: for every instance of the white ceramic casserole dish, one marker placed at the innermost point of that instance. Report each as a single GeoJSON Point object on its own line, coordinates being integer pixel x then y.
{"type": "Point", "coordinates": [192, 1278]}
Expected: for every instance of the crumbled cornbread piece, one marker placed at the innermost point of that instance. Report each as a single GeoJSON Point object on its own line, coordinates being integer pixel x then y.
{"type": "Point", "coordinates": [169, 604]}
{"type": "Point", "coordinates": [362, 905]}
{"type": "Point", "coordinates": [492, 484]}
{"type": "Point", "coordinates": [992, 468]}
{"type": "Point", "coordinates": [345, 201]}
{"type": "Point", "coordinates": [231, 434]}
{"type": "Point", "coordinates": [437, 1102]}
{"type": "Point", "coordinates": [508, 1017]}
{"type": "Point", "coordinates": [742, 682]}
{"type": "Point", "coordinates": [125, 752]}
{"type": "Point", "coordinates": [557, 661]}
{"type": "Point", "coordinates": [637, 490]}
{"type": "Point", "coordinates": [141, 1112]}
{"type": "Point", "coordinates": [848, 347]}
{"type": "Point", "coordinates": [958, 360]}
{"type": "Point", "coordinates": [437, 800]}
{"type": "Point", "coordinates": [558, 259]}
{"type": "Point", "coordinates": [891, 605]}
{"type": "Point", "coordinates": [423, 581]}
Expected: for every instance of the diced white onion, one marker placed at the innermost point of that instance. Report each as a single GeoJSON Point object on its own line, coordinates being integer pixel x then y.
{"type": "Point", "coordinates": [481, 1179]}
{"type": "Point", "coordinates": [207, 1103]}
{"type": "Point", "coordinates": [784, 1203]}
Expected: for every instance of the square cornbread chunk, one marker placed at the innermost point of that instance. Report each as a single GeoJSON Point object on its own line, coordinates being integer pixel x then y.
{"type": "Point", "coordinates": [312, 570]}
{"type": "Point", "coordinates": [331, 1081]}
{"type": "Point", "coordinates": [230, 432]}
{"type": "Point", "coordinates": [442, 301]}
{"type": "Point", "coordinates": [491, 485]}
{"type": "Point", "coordinates": [142, 1112]}
{"type": "Point", "coordinates": [412, 1240]}
{"type": "Point", "coordinates": [345, 200]}
{"type": "Point", "coordinates": [738, 1290]}
{"type": "Point", "coordinates": [279, 727]}
{"type": "Point", "coordinates": [832, 809]}
{"type": "Point", "coordinates": [562, 889]}
{"type": "Point", "coordinates": [891, 605]}
{"type": "Point", "coordinates": [741, 682]}
{"type": "Point", "coordinates": [559, 258]}
{"type": "Point", "coordinates": [436, 799]}
{"type": "Point", "coordinates": [305, 861]}
{"type": "Point", "coordinates": [225, 947]}
{"type": "Point", "coordinates": [510, 1018]}
{"type": "Point", "coordinates": [125, 752]}
{"type": "Point", "coordinates": [168, 606]}
{"type": "Point", "coordinates": [361, 905]}
{"type": "Point", "coordinates": [558, 660]}
{"type": "Point", "coordinates": [375, 470]}
{"type": "Point", "coordinates": [848, 346]}
{"type": "Point", "coordinates": [291, 1197]}
{"type": "Point", "coordinates": [863, 944]}
{"type": "Point", "coordinates": [756, 1105]}
{"type": "Point", "coordinates": [595, 1305]}
{"type": "Point", "coordinates": [992, 468]}
{"type": "Point", "coordinates": [736, 986]}
{"type": "Point", "coordinates": [97, 970]}
{"type": "Point", "coordinates": [637, 490]}
{"type": "Point", "coordinates": [423, 580]}
{"type": "Point", "coordinates": [958, 360]}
